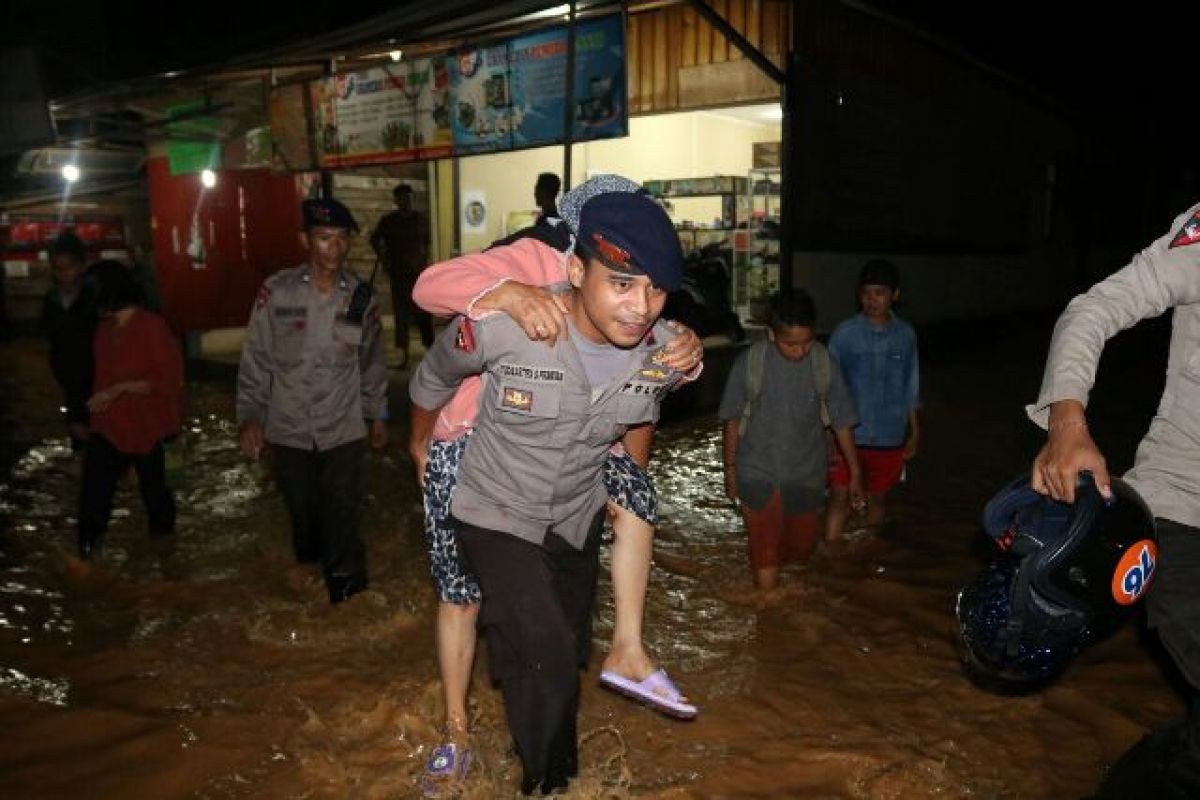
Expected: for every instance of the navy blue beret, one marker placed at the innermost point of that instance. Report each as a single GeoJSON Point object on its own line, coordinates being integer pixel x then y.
{"type": "Point", "coordinates": [328, 213]}
{"type": "Point", "coordinates": [631, 233]}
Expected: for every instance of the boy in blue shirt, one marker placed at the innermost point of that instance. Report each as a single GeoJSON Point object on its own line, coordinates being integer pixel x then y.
{"type": "Point", "coordinates": [877, 353]}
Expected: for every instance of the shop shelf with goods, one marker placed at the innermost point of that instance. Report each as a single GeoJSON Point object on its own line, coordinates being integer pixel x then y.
{"type": "Point", "coordinates": [719, 219]}
{"type": "Point", "coordinates": [756, 247]}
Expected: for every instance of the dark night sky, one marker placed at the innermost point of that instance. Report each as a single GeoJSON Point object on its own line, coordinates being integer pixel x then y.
{"type": "Point", "coordinates": [1124, 62]}
{"type": "Point", "coordinates": [106, 41]}
{"type": "Point", "coordinates": [1126, 66]}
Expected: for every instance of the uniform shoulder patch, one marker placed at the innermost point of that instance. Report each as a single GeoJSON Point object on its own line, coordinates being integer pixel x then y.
{"type": "Point", "coordinates": [264, 296]}
{"type": "Point", "coordinates": [1188, 234]}
{"type": "Point", "coordinates": [464, 340]}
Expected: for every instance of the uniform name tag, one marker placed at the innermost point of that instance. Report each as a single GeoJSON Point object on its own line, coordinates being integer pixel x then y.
{"type": "Point", "coordinates": [544, 374]}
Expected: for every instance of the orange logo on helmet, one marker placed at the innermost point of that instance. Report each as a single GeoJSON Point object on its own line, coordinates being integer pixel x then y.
{"type": "Point", "coordinates": [610, 253]}
{"type": "Point", "coordinates": [1134, 572]}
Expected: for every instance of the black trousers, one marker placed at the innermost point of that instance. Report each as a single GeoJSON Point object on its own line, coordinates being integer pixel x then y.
{"type": "Point", "coordinates": [406, 312]}
{"type": "Point", "coordinates": [1173, 603]}
{"type": "Point", "coordinates": [537, 616]}
{"type": "Point", "coordinates": [103, 466]}
{"type": "Point", "coordinates": [323, 492]}
{"type": "Point", "coordinates": [1165, 764]}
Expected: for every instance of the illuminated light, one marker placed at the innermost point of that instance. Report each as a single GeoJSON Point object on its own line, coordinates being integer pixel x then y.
{"type": "Point", "coordinates": [208, 178]}
{"type": "Point", "coordinates": [70, 173]}
{"type": "Point", "coordinates": [395, 55]}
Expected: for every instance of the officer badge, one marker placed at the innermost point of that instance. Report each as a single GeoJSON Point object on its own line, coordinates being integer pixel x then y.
{"type": "Point", "coordinates": [654, 373]}
{"type": "Point", "coordinates": [464, 340]}
{"type": "Point", "coordinates": [1189, 233]}
{"type": "Point", "coordinates": [518, 399]}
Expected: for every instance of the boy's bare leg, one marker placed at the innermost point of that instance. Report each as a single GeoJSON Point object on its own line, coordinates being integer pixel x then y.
{"type": "Point", "coordinates": [766, 578]}
{"type": "Point", "coordinates": [455, 638]}
{"type": "Point", "coordinates": [875, 508]}
{"type": "Point", "coordinates": [837, 513]}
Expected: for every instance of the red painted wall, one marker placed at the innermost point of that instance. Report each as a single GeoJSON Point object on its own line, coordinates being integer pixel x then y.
{"type": "Point", "coordinates": [213, 247]}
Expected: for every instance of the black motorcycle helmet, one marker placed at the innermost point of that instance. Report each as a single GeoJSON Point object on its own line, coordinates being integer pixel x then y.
{"type": "Point", "coordinates": [1065, 576]}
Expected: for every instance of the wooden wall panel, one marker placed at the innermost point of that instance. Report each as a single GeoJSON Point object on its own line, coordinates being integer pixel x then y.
{"type": "Point", "coordinates": [703, 41]}
{"type": "Point", "coordinates": [720, 45]}
{"type": "Point", "coordinates": [689, 22]}
{"type": "Point", "coordinates": [663, 41]}
{"type": "Point", "coordinates": [753, 22]}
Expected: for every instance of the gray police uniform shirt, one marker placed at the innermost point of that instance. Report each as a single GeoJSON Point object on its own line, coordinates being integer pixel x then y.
{"type": "Point", "coordinates": [784, 446]}
{"type": "Point", "coordinates": [536, 456]}
{"type": "Point", "coordinates": [1165, 275]}
{"type": "Point", "coordinates": [307, 374]}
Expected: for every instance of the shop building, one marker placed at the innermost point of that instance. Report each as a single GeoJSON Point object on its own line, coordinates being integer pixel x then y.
{"type": "Point", "coordinates": [800, 138]}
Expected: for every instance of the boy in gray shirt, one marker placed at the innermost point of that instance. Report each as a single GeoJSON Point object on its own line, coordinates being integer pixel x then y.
{"type": "Point", "coordinates": [780, 396]}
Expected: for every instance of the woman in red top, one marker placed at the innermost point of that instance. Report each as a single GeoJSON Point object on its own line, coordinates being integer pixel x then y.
{"type": "Point", "coordinates": [137, 404]}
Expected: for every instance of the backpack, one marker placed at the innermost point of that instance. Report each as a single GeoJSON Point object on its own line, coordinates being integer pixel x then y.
{"type": "Point", "coordinates": [822, 375]}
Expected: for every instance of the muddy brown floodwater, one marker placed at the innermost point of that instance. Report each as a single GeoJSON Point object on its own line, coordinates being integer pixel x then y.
{"type": "Point", "coordinates": [213, 667]}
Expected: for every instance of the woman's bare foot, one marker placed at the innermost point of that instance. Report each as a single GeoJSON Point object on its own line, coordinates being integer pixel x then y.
{"type": "Point", "coordinates": [629, 662]}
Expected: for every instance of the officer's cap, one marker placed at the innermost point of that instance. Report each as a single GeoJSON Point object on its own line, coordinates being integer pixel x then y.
{"type": "Point", "coordinates": [327, 213]}
{"type": "Point", "coordinates": [631, 233]}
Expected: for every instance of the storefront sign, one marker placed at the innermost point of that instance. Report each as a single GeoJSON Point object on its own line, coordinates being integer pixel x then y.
{"type": "Point", "coordinates": [501, 96]}
{"type": "Point", "coordinates": [513, 94]}
{"type": "Point", "coordinates": [387, 114]}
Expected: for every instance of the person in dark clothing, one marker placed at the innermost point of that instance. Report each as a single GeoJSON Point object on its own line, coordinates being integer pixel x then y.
{"type": "Point", "coordinates": [399, 239]}
{"type": "Point", "coordinates": [548, 228]}
{"type": "Point", "coordinates": [137, 405]}
{"type": "Point", "coordinates": [69, 322]}
{"type": "Point", "coordinates": [545, 192]}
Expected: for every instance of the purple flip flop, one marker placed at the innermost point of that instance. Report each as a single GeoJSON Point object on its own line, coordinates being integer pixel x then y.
{"type": "Point", "coordinates": [447, 766]}
{"type": "Point", "coordinates": [658, 692]}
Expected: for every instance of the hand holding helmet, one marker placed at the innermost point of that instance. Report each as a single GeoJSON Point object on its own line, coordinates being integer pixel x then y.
{"type": "Point", "coordinates": [1065, 576]}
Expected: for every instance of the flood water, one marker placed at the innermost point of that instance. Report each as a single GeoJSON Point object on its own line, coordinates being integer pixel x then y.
{"type": "Point", "coordinates": [213, 667]}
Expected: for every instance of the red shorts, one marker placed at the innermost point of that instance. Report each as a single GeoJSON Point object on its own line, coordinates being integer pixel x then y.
{"type": "Point", "coordinates": [777, 538]}
{"type": "Point", "coordinates": [881, 469]}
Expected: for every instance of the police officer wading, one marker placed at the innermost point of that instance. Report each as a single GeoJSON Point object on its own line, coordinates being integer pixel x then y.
{"type": "Point", "coordinates": [1166, 472]}
{"type": "Point", "coordinates": [311, 379]}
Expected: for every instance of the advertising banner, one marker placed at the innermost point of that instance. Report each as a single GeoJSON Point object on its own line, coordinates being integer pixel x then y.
{"type": "Point", "coordinates": [504, 95]}
{"type": "Point", "coordinates": [386, 114]}
{"type": "Point", "coordinates": [512, 94]}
